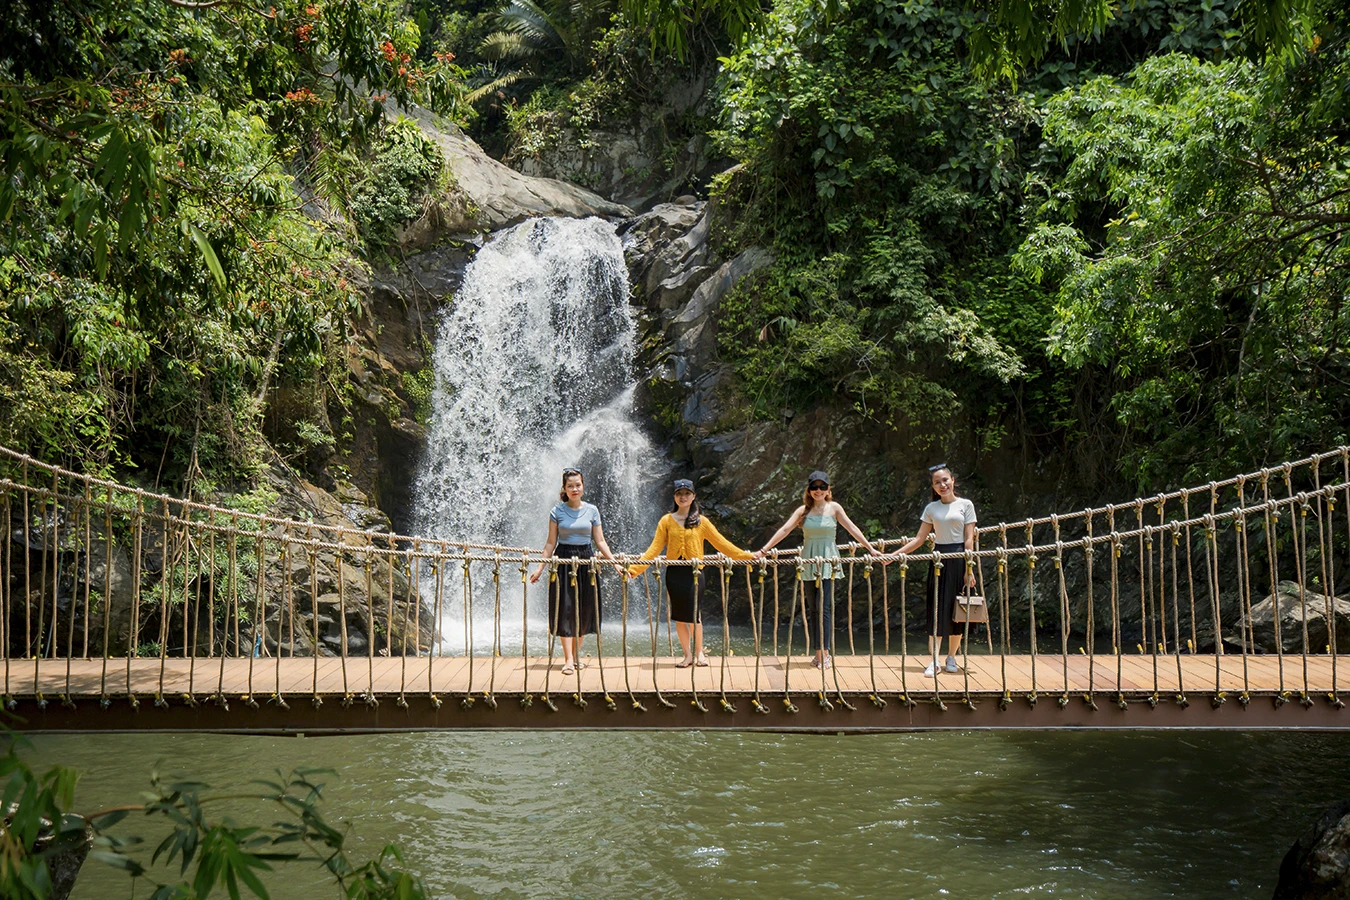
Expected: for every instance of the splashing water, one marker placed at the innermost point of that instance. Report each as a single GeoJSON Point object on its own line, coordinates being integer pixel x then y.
{"type": "Point", "coordinates": [534, 373]}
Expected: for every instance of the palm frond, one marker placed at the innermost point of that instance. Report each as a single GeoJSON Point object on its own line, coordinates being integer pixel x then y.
{"type": "Point", "coordinates": [528, 18]}
{"type": "Point", "coordinates": [495, 85]}
{"type": "Point", "coordinates": [503, 45]}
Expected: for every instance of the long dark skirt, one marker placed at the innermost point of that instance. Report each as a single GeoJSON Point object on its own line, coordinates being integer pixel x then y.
{"type": "Point", "coordinates": [819, 603]}
{"type": "Point", "coordinates": [942, 592]}
{"type": "Point", "coordinates": [685, 592]}
{"type": "Point", "coordinates": [573, 610]}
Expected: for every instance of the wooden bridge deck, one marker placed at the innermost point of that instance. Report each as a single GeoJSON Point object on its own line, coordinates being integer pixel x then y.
{"type": "Point", "coordinates": [362, 694]}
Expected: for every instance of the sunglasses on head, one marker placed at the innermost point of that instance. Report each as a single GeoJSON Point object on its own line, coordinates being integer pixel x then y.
{"type": "Point", "coordinates": [938, 468]}
{"type": "Point", "coordinates": [568, 473]}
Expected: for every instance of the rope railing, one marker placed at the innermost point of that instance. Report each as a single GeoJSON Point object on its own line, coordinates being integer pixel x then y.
{"type": "Point", "coordinates": [1225, 590]}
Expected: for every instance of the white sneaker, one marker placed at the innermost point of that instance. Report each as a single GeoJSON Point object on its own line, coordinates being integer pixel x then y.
{"type": "Point", "coordinates": [930, 671]}
{"type": "Point", "coordinates": [951, 665]}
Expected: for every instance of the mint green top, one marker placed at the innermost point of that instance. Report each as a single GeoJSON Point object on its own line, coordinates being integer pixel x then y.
{"type": "Point", "coordinates": [818, 543]}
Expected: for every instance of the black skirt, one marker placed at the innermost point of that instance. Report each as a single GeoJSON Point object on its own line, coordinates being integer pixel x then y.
{"type": "Point", "coordinates": [685, 592]}
{"type": "Point", "coordinates": [573, 609]}
{"type": "Point", "coordinates": [942, 592]}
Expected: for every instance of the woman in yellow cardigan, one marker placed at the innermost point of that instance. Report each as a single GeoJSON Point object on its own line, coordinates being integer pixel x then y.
{"type": "Point", "coordinates": [681, 534]}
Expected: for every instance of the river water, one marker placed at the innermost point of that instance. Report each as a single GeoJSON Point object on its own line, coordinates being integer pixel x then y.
{"type": "Point", "coordinates": [702, 815]}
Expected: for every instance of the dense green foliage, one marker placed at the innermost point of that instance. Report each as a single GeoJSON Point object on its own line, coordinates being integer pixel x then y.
{"type": "Point", "coordinates": [1135, 247]}
{"type": "Point", "coordinates": [1216, 290]}
{"type": "Point", "coordinates": [1134, 251]}
{"type": "Point", "coordinates": [161, 268]}
{"type": "Point", "coordinates": [882, 169]}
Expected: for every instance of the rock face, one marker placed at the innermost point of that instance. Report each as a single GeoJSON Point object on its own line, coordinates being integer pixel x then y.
{"type": "Point", "coordinates": [314, 599]}
{"type": "Point", "coordinates": [681, 284]}
{"type": "Point", "coordinates": [489, 195]}
{"type": "Point", "coordinates": [1288, 635]}
{"type": "Point", "coordinates": [636, 160]}
{"type": "Point", "coordinates": [1317, 867]}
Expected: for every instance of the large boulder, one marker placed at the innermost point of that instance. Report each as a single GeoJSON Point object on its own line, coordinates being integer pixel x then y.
{"type": "Point", "coordinates": [489, 195]}
{"type": "Point", "coordinates": [1289, 607]}
{"type": "Point", "coordinates": [1317, 867]}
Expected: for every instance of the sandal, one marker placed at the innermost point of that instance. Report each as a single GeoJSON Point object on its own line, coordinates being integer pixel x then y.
{"type": "Point", "coordinates": [701, 662]}
{"type": "Point", "coordinates": [580, 664]}
{"type": "Point", "coordinates": [568, 669]}
{"type": "Point", "coordinates": [684, 664]}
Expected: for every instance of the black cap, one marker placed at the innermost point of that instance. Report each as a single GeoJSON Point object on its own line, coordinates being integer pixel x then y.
{"type": "Point", "coordinates": [683, 484]}
{"type": "Point", "coordinates": [818, 475]}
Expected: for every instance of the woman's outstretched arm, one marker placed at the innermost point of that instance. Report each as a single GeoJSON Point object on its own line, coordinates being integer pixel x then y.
{"type": "Point", "coordinates": [658, 544]}
{"type": "Point", "coordinates": [548, 550]}
{"type": "Point", "coordinates": [925, 529]}
{"type": "Point", "coordinates": [854, 530]}
{"type": "Point", "coordinates": [970, 545]}
{"type": "Point", "coordinates": [598, 538]}
{"type": "Point", "coordinates": [793, 521]}
{"type": "Point", "coordinates": [723, 546]}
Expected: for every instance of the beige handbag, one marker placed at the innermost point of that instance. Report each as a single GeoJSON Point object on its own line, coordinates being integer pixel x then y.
{"type": "Point", "coordinates": [970, 609]}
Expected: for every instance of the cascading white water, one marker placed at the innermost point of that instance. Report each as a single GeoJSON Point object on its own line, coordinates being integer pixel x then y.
{"type": "Point", "coordinates": [534, 373]}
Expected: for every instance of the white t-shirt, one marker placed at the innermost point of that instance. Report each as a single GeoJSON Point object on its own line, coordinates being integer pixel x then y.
{"type": "Point", "coordinates": [949, 520]}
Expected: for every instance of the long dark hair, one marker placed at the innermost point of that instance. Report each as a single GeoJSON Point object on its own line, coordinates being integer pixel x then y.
{"type": "Point", "coordinates": [933, 470]}
{"type": "Point", "coordinates": [694, 516]}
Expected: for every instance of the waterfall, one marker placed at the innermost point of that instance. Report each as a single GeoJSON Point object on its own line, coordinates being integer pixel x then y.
{"type": "Point", "coordinates": [534, 373]}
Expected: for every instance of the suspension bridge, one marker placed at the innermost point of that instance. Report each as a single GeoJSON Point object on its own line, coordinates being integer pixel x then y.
{"type": "Point", "coordinates": [1208, 607]}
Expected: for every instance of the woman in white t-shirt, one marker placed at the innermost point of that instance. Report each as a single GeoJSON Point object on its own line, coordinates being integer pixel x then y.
{"type": "Point", "coordinates": [951, 521]}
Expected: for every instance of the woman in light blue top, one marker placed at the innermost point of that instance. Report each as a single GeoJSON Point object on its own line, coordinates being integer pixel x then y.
{"type": "Point", "coordinates": [573, 593]}
{"type": "Point", "coordinates": [818, 517]}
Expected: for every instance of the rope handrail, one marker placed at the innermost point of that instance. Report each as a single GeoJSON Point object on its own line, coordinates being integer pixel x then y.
{"type": "Point", "coordinates": [1027, 524]}
{"type": "Point", "coordinates": [447, 548]}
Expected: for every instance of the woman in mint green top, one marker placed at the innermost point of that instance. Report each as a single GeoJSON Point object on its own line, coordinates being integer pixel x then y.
{"type": "Point", "coordinates": [818, 517]}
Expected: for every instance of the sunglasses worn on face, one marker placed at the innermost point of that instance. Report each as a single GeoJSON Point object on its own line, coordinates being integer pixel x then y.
{"type": "Point", "coordinates": [819, 487]}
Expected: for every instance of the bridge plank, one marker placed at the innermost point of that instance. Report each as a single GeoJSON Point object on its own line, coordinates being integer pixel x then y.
{"type": "Point", "coordinates": [851, 674]}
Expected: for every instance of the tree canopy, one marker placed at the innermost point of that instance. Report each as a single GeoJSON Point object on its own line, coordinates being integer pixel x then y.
{"type": "Point", "coordinates": [164, 173]}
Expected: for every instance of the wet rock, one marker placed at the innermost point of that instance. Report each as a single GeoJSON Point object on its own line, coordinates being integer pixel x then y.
{"type": "Point", "coordinates": [64, 864]}
{"type": "Point", "coordinates": [1317, 867]}
{"type": "Point", "coordinates": [1289, 635]}
{"type": "Point", "coordinates": [667, 252]}
{"type": "Point", "coordinates": [694, 324]}
{"type": "Point", "coordinates": [367, 518]}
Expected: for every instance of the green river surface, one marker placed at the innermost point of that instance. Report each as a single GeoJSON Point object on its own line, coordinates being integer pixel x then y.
{"type": "Point", "coordinates": [709, 814]}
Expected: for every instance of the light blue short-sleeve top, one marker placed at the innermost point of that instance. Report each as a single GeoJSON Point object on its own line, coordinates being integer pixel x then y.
{"type": "Point", "coordinates": [574, 525]}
